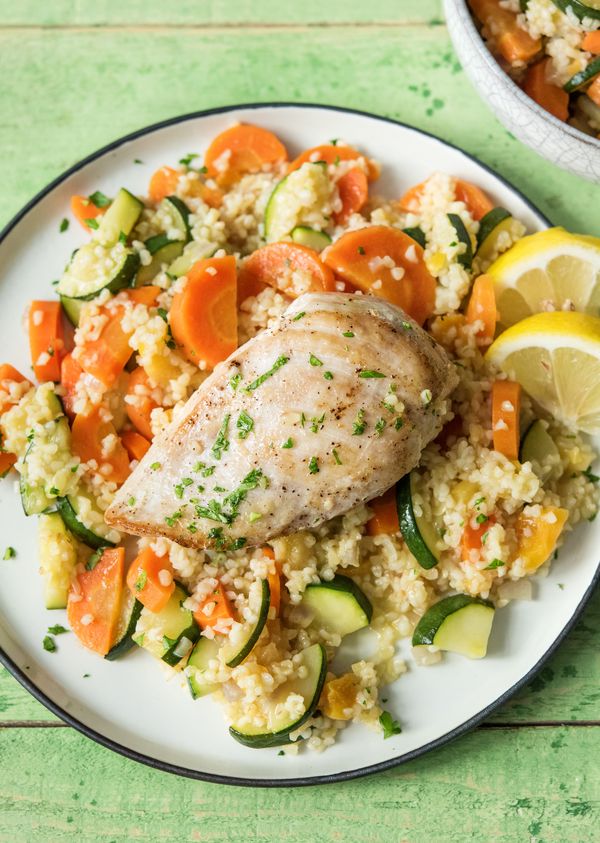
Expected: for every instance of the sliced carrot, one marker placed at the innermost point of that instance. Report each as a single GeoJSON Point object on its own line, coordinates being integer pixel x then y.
{"type": "Point", "coordinates": [360, 257]}
{"type": "Point", "coordinates": [353, 188]}
{"type": "Point", "coordinates": [591, 42]}
{"type": "Point", "coordinates": [46, 339]}
{"type": "Point", "coordinates": [94, 601]}
{"type": "Point", "coordinates": [70, 372]}
{"type": "Point", "coordinates": [552, 98]}
{"type": "Point", "coordinates": [8, 375]}
{"type": "Point", "coordinates": [482, 308]}
{"type": "Point", "coordinates": [216, 607]}
{"type": "Point", "coordinates": [6, 462]}
{"type": "Point", "coordinates": [88, 433]}
{"type": "Point", "coordinates": [249, 284]}
{"type": "Point", "coordinates": [83, 209]}
{"type": "Point", "coordinates": [332, 154]}
{"type": "Point", "coordinates": [212, 196]}
{"type": "Point", "coordinates": [593, 92]}
{"type": "Point", "coordinates": [472, 537]}
{"type": "Point", "coordinates": [147, 582]}
{"type": "Point", "coordinates": [242, 149]}
{"type": "Point", "coordinates": [163, 183]}
{"type": "Point", "coordinates": [139, 404]}
{"type": "Point", "coordinates": [275, 264]}
{"type": "Point", "coordinates": [135, 444]}
{"type": "Point", "coordinates": [506, 407]}
{"type": "Point", "coordinates": [203, 314]}
{"type": "Point", "coordinates": [513, 43]}
{"type": "Point", "coordinates": [477, 202]}
{"type": "Point", "coordinates": [105, 357]}
{"type": "Point", "coordinates": [385, 514]}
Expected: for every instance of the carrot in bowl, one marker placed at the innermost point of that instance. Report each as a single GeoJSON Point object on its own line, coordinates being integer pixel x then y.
{"type": "Point", "coordinates": [150, 579]}
{"type": "Point", "coordinates": [274, 263]}
{"type": "Point", "coordinates": [90, 441]}
{"type": "Point", "coordinates": [216, 607]}
{"type": "Point", "coordinates": [95, 601]}
{"type": "Point", "coordinates": [332, 154]}
{"type": "Point", "coordinates": [477, 202]}
{"type": "Point", "coordinates": [242, 149]}
{"type": "Point", "coordinates": [482, 308]}
{"type": "Point", "coordinates": [385, 514]}
{"type": "Point", "coordinates": [353, 189]}
{"type": "Point", "coordinates": [84, 210]}
{"type": "Point", "coordinates": [162, 183]}
{"type": "Point", "coordinates": [591, 42]}
{"type": "Point", "coordinates": [506, 406]}
{"type": "Point", "coordinates": [513, 43]}
{"type": "Point", "coordinates": [135, 444]}
{"type": "Point", "coordinates": [552, 98]}
{"type": "Point", "coordinates": [139, 403]}
{"type": "Point", "coordinates": [9, 374]}
{"type": "Point", "coordinates": [46, 339]}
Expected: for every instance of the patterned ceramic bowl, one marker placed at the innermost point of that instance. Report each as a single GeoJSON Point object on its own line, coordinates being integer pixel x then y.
{"type": "Point", "coordinates": [560, 143]}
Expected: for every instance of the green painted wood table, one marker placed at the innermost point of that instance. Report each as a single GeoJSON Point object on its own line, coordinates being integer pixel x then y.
{"type": "Point", "coordinates": [76, 75]}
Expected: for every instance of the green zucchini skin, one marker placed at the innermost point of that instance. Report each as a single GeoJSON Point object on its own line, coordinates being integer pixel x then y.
{"type": "Point", "coordinates": [163, 251]}
{"type": "Point", "coordinates": [346, 588]}
{"type": "Point", "coordinates": [305, 236]}
{"type": "Point", "coordinates": [183, 212]}
{"type": "Point", "coordinates": [126, 642]}
{"type": "Point", "coordinates": [432, 620]}
{"type": "Point", "coordinates": [408, 525]}
{"type": "Point", "coordinates": [489, 222]}
{"type": "Point", "coordinates": [247, 648]}
{"type": "Point", "coordinates": [72, 309]}
{"type": "Point", "coordinates": [417, 234]}
{"type": "Point", "coordinates": [203, 651]}
{"type": "Point", "coordinates": [466, 259]}
{"type": "Point", "coordinates": [580, 9]}
{"type": "Point", "coordinates": [79, 530]}
{"type": "Point", "coordinates": [579, 80]}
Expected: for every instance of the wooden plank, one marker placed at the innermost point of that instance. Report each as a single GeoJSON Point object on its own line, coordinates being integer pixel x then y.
{"type": "Point", "coordinates": [211, 12]}
{"type": "Point", "coordinates": [58, 111]}
{"type": "Point", "coordinates": [535, 785]}
{"type": "Point", "coordinates": [565, 690]}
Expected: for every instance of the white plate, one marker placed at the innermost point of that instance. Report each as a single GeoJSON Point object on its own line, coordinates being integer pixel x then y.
{"type": "Point", "coordinates": [127, 705]}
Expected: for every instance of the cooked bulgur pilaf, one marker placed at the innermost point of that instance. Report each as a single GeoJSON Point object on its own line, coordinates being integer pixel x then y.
{"type": "Point", "coordinates": [490, 517]}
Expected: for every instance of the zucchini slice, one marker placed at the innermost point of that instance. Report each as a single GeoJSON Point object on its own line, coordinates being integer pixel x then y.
{"type": "Point", "coordinates": [96, 267]}
{"type": "Point", "coordinates": [120, 218]}
{"type": "Point", "coordinates": [204, 651]}
{"type": "Point", "coordinates": [242, 641]}
{"type": "Point", "coordinates": [72, 309]}
{"type": "Point", "coordinates": [280, 724]}
{"type": "Point", "coordinates": [305, 236]}
{"type": "Point", "coordinates": [417, 234]}
{"type": "Point", "coordinates": [540, 449]}
{"type": "Point", "coordinates": [69, 511]}
{"type": "Point", "coordinates": [581, 9]}
{"type": "Point", "coordinates": [418, 534]}
{"type": "Point", "coordinates": [463, 236]}
{"type": "Point", "coordinates": [192, 252]}
{"type": "Point", "coordinates": [58, 557]}
{"type": "Point", "coordinates": [459, 624]}
{"type": "Point", "coordinates": [339, 605]}
{"type": "Point", "coordinates": [279, 220]}
{"type": "Point", "coordinates": [581, 79]}
{"type": "Point", "coordinates": [163, 251]}
{"type": "Point", "coordinates": [130, 613]}
{"type": "Point", "coordinates": [176, 214]}
{"type": "Point", "coordinates": [169, 634]}
{"type": "Point", "coordinates": [490, 227]}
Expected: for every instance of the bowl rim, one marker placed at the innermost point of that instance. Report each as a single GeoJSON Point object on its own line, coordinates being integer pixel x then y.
{"type": "Point", "coordinates": [462, 9]}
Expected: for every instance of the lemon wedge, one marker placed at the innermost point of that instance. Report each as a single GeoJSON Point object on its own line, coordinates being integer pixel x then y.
{"type": "Point", "coordinates": [547, 271]}
{"type": "Point", "coordinates": [556, 359]}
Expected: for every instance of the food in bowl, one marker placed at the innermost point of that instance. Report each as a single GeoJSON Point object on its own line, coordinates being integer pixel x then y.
{"type": "Point", "coordinates": [551, 48]}
{"type": "Point", "coordinates": [259, 348]}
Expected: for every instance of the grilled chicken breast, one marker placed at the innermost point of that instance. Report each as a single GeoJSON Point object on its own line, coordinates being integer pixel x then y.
{"type": "Point", "coordinates": [321, 412]}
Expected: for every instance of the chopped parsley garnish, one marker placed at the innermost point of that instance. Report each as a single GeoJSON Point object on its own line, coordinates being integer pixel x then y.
{"type": "Point", "coordinates": [328, 376]}
{"type": "Point", "coordinates": [49, 644]}
{"type": "Point", "coordinates": [361, 250]}
{"type": "Point", "coordinates": [479, 501]}
{"type": "Point", "coordinates": [94, 559]}
{"type": "Point", "coordinates": [495, 563]}
{"type": "Point", "coordinates": [481, 518]}
{"type": "Point", "coordinates": [219, 489]}
{"type": "Point", "coordinates": [235, 380]}
{"type": "Point", "coordinates": [398, 424]}
{"type": "Point", "coordinates": [379, 426]}
{"type": "Point", "coordinates": [221, 442]}
{"type": "Point", "coordinates": [155, 466]}
{"type": "Point", "coordinates": [407, 326]}
{"type": "Point", "coordinates": [168, 642]}
{"type": "Point", "coordinates": [244, 425]}
{"type": "Point", "coordinates": [593, 478]}
{"type": "Point", "coordinates": [316, 423]}
{"type": "Point", "coordinates": [92, 223]}
{"type": "Point", "coordinates": [254, 516]}
{"type": "Point", "coordinates": [208, 471]}
{"type": "Point", "coordinates": [53, 490]}
{"type": "Point", "coordinates": [289, 443]}
{"type": "Point", "coordinates": [227, 511]}
{"type": "Point", "coordinates": [64, 224]}
{"type": "Point", "coordinates": [57, 629]}
{"type": "Point", "coordinates": [359, 426]}
{"type": "Point", "coordinates": [484, 537]}
{"type": "Point", "coordinates": [313, 466]}
{"type": "Point", "coordinates": [299, 316]}
{"type": "Point", "coordinates": [187, 159]}
{"type": "Point", "coordinates": [122, 238]}
{"type": "Point", "coordinates": [131, 501]}
{"type": "Point", "coordinates": [314, 361]}
{"type": "Point", "coordinates": [302, 419]}
{"type": "Point", "coordinates": [171, 519]}
{"type": "Point", "coordinates": [281, 361]}
{"type": "Point", "coordinates": [336, 457]}
{"type": "Point", "coordinates": [9, 553]}
{"type": "Point", "coordinates": [178, 490]}
{"type": "Point", "coordinates": [137, 161]}
{"type": "Point", "coordinates": [142, 579]}
{"type": "Point", "coordinates": [348, 334]}
{"type": "Point", "coordinates": [99, 199]}
{"type": "Point", "coordinates": [334, 141]}
{"type": "Point", "coordinates": [390, 726]}
{"type": "Point", "coordinates": [370, 373]}
{"type": "Point", "coordinates": [202, 170]}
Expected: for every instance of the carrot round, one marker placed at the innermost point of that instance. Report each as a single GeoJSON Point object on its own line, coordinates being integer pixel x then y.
{"type": "Point", "coordinates": [203, 314]}
{"type": "Point", "coordinates": [46, 339]}
{"type": "Point", "coordinates": [353, 189]}
{"type": "Point", "coordinates": [593, 92]}
{"type": "Point", "coordinates": [138, 402]}
{"type": "Point", "coordinates": [89, 442]}
{"type": "Point", "coordinates": [162, 183]}
{"type": "Point", "coordinates": [135, 444]}
{"type": "Point", "coordinates": [83, 209]}
{"type": "Point", "coordinates": [9, 374]}
{"type": "Point", "coordinates": [332, 154]}
{"type": "Point", "coordinates": [513, 43]}
{"type": "Point", "coordinates": [477, 202]}
{"type": "Point", "coordinates": [95, 601]}
{"type": "Point", "coordinates": [506, 406]}
{"type": "Point", "coordinates": [482, 308]}
{"type": "Point", "coordinates": [70, 372]}
{"type": "Point", "coordinates": [551, 98]}
{"type": "Point", "coordinates": [274, 265]}
{"type": "Point", "coordinates": [215, 607]}
{"type": "Point", "coordinates": [150, 579]}
{"type": "Point", "coordinates": [6, 462]}
{"type": "Point", "coordinates": [385, 514]}
{"type": "Point", "coordinates": [361, 257]}
{"type": "Point", "coordinates": [242, 149]}
{"type": "Point", "coordinates": [591, 42]}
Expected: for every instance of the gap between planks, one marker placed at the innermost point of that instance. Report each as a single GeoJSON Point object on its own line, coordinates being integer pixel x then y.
{"type": "Point", "coordinates": [216, 27]}
{"type": "Point", "coordinates": [525, 724]}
